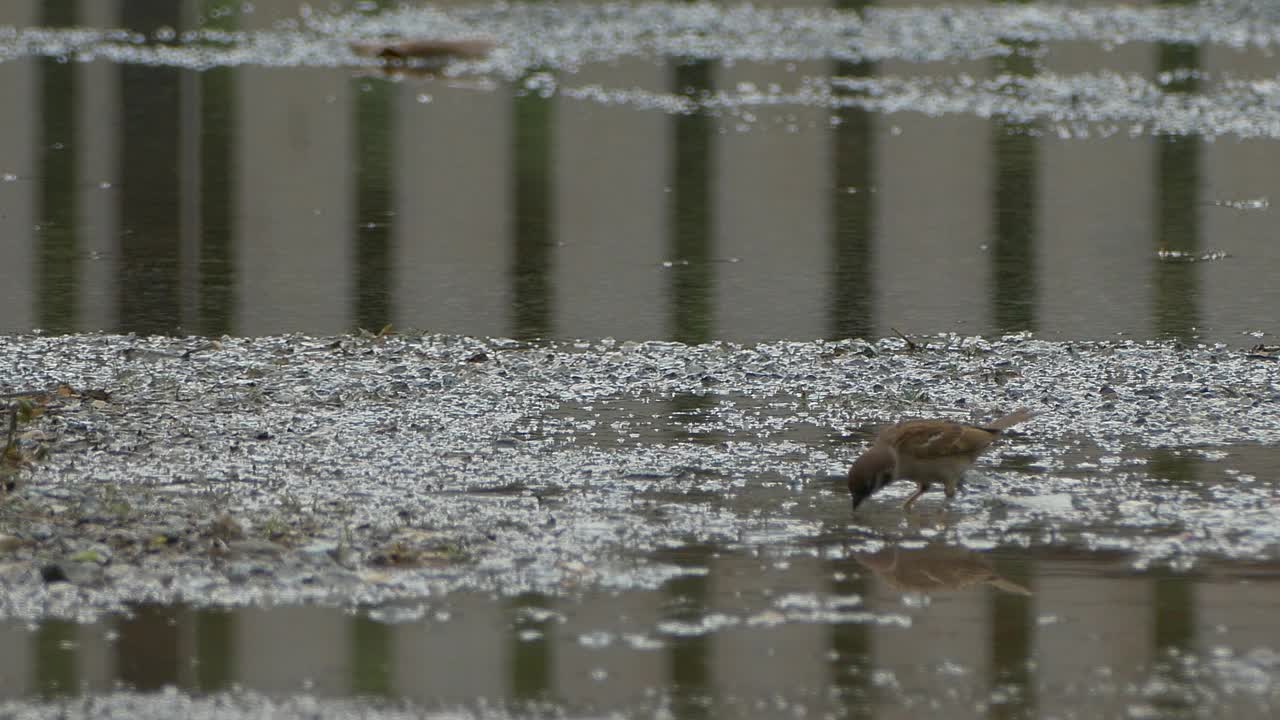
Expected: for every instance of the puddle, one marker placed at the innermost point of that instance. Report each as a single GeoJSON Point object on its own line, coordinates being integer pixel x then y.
{"type": "Point", "coordinates": [286, 517]}
{"type": "Point", "coordinates": [1077, 171]}
{"type": "Point", "coordinates": [828, 633]}
{"type": "Point", "coordinates": [314, 526]}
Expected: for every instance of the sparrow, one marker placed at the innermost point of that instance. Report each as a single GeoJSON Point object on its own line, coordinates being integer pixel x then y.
{"type": "Point", "coordinates": [926, 451]}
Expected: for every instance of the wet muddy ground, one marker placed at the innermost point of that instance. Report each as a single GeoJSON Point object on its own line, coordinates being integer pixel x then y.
{"type": "Point", "coordinates": [368, 469]}
{"type": "Point", "coordinates": [421, 478]}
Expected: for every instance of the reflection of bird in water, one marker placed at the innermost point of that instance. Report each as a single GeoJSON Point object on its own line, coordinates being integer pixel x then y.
{"type": "Point", "coordinates": [935, 568]}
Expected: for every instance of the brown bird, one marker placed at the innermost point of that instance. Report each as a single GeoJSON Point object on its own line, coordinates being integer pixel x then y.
{"type": "Point", "coordinates": [927, 451]}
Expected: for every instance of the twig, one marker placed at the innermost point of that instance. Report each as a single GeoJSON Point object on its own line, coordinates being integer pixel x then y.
{"type": "Point", "coordinates": [910, 345]}
{"type": "Point", "coordinates": [24, 394]}
{"type": "Point", "coordinates": [13, 431]}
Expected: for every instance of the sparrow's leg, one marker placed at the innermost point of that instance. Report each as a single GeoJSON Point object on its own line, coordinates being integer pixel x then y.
{"type": "Point", "coordinates": [950, 484]}
{"type": "Point", "coordinates": [919, 491]}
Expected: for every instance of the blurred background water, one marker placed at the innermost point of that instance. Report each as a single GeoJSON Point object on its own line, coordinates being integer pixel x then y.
{"type": "Point", "coordinates": [249, 198]}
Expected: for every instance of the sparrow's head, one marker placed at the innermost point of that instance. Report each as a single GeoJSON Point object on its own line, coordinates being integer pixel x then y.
{"type": "Point", "coordinates": [869, 473]}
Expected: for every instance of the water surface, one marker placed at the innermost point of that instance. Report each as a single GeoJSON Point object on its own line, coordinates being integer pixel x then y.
{"type": "Point", "coordinates": [663, 172]}
{"type": "Point", "coordinates": [523, 516]}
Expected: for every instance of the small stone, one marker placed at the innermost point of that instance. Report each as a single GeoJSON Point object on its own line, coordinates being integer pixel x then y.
{"type": "Point", "coordinates": [76, 573]}
{"type": "Point", "coordinates": [96, 554]}
{"type": "Point", "coordinates": [319, 550]}
{"type": "Point", "coordinates": [240, 572]}
{"type": "Point", "coordinates": [39, 532]}
{"type": "Point", "coordinates": [53, 573]}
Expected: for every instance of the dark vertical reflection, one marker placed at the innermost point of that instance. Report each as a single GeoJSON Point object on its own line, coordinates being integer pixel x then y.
{"type": "Point", "coordinates": [533, 222]}
{"type": "Point", "coordinates": [1173, 634]}
{"type": "Point", "coordinates": [1174, 630]}
{"type": "Point", "coordinates": [851, 660]}
{"type": "Point", "coordinates": [688, 600]}
{"type": "Point", "coordinates": [692, 217]}
{"type": "Point", "coordinates": [1013, 642]}
{"type": "Point", "coordinates": [373, 136]}
{"type": "Point", "coordinates": [371, 655]}
{"type": "Point", "coordinates": [1173, 637]}
{"type": "Point", "coordinates": [853, 227]}
{"type": "Point", "coordinates": [215, 650]}
{"type": "Point", "coordinates": [147, 651]}
{"type": "Point", "coordinates": [150, 301]}
{"type": "Point", "coordinates": [532, 660]}
{"type": "Point", "coordinates": [217, 177]}
{"type": "Point", "coordinates": [1177, 204]}
{"type": "Point", "coordinates": [1013, 273]}
{"type": "Point", "coordinates": [689, 421]}
{"type": "Point", "coordinates": [55, 670]}
{"type": "Point", "coordinates": [57, 261]}
{"type": "Point", "coordinates": [1168, 465]}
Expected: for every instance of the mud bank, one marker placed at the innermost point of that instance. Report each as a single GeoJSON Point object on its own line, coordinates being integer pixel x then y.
{"type": "Point", "coordinates": [367, 470]}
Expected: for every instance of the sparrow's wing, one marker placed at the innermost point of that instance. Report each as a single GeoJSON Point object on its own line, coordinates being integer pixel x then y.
{"type": "Point", "coordinates": [926, 439]}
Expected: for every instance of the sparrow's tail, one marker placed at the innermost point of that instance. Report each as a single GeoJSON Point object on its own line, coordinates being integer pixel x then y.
{"type": "Point", "coordinates": [1008, 421]}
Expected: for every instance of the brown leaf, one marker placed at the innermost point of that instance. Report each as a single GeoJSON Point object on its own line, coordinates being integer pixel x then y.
{"type": "Point", "coordinates": [423, 48]}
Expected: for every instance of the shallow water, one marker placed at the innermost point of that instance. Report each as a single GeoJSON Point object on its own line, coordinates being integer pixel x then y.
{"type": "Point", "coordinates": [657, 171]}
{"type": "Point", "coordinates": [635, 527]}
{"type": "Point", "coordinates": [515, 514]}
{"type": "Point", "coordinates": [824, 633]}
